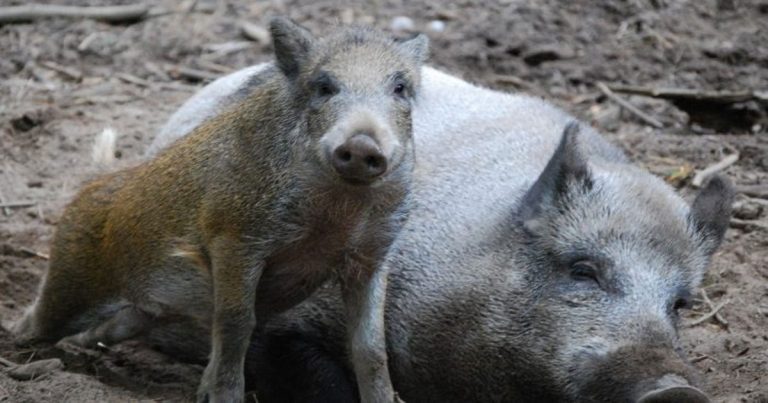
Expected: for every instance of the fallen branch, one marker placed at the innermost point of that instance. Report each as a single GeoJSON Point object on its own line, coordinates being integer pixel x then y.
{"type": "Point", "coordinates": [31, 12]}
{"type": "Point", "coordinates": [760, 191]}
{"type": "Point", "coordinates": [747, 225]}
{"type": "Point", "coordinates": [17, 204]}
{"type": "Point", "coordinates": [7, 363]}
{"type": "Point", "coordinates": [629, 107]}
{"type": "Point", "coordinates": [707, 172]}
{"type": "Point", "coordinates": [708, 316]}
{"type": "Point", "coordinates": [725, 97]}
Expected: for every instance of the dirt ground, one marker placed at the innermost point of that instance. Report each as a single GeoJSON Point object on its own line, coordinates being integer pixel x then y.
{"type": "Point", "coordinates": [63, 81]}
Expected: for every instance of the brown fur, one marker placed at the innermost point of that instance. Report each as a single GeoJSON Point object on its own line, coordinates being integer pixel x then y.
{"type": "Point", "coordinates": [237, 221]}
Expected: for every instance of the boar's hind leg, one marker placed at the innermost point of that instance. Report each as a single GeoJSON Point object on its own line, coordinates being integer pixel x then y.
{"type": "Point", "coordinates": [125, 324]}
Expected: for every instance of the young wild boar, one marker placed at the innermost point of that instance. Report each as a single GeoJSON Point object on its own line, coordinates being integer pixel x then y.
{"type": "Point", "coordinates": [304, 178]}
{"type": "Point", "coordinates": [537, 265]}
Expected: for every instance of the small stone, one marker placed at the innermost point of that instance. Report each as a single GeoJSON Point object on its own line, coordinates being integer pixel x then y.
{"type": "Point", "coordinates": [401, 23]}
{"type": "Point", "coordinates": [436, 26]}
{"type": "Point", "coordinates": [547, 53]}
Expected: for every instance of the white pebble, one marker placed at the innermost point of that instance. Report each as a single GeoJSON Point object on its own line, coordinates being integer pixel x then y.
{"type": "Point", "coordinates": [436, 26]}
{"type": "Point", "coordinates": [401, 23]}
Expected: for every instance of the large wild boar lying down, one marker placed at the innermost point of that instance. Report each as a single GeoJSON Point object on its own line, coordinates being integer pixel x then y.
{"type": "Point", "coordinates": [537, 264]}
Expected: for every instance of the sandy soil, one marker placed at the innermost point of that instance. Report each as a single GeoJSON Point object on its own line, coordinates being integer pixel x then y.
{"type": "Point", "coordinates": [557, 50]}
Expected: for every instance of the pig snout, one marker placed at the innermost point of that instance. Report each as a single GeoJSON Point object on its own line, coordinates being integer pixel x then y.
{"type": "Point", "coordinates": [672, 389]}
{"type": "Point", "coordinates": [636, 374]}
{"type": "Point", "coordinates": [359, 160]}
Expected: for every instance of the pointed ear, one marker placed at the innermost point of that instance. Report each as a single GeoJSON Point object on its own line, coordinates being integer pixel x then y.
{"type": "Point", "coordinates": [292, 44]}
{"type": "Point", "coordinates": [566, 167]}
{"type": "Point", "coordinates": [417, 47]}
{"type": "Point", "coordinates": [711, 211]}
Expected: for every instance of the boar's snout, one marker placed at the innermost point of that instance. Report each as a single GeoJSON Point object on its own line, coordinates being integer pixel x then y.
{"type": "Point", "coordinates": [359, 160]}
{"type": "Point", "coordinates": [673, 389]}
{"type": "Point", "coordinates": [640, 374]}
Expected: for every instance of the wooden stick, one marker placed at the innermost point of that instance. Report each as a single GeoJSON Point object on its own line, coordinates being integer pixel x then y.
{"type": "Point", "coordinates": [31, 12]}
{"type": "Point", "coordinates": [692, 94]}
{"type": "Point", "coordinates": [7, 363]}
{"type": "Point", "coordinates": [706, 317]}
{"type": "Point", "coordinates": [760, 191]}
{"type": "Point", "coordinates": [255, 32]}
{"type": "Point", "coordinates": [131, 79]}
{"type": "Point", "coordinates": [17, 204]}
{"type": "Point", "coordinates": [748, 225]}
{"type": "Point", "coordinates": [6, 210]}
{"type": "Point", "coordinates": [705, 173]}
{"type": "Point", "coordinates": [629, 107]}
{"type": "Point", "coordinates": [214, 66]}
{"type": "Point", "coordinates": [34, 253]}
{"type": "Point", "coordinates": [66, 71]}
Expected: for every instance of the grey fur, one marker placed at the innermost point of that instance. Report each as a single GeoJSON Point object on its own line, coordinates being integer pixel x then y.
{"type": "Point", "coordinates": [484, 302]}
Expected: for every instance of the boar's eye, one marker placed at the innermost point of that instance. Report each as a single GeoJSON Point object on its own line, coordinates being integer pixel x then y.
{"type": "Point", "coordinates": [400, 86]}
{"type": "Point", "coordinates": [399, 89]}
{"type": "Point", "coordinates": [325, 86]}
{"type": "Point", "coordinates": [325, 89]}
{"type": "Point", "coordinates": [584, 270]}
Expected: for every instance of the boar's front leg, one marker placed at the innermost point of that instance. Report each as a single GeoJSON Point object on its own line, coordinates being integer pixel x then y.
{"type": "Point", "coordinates": [364, 288]}
{"type": "Point", "coordinates": [235, 271]}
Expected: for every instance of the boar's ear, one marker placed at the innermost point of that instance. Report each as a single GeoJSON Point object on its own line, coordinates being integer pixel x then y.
{"type": "Point", "coordinates": [292, 44]}
{"type": "Point", "coordinates": [711, 211]}
{"type": "Point", "coordinates": [565, 168]}
{"type": "Point", "coordinates": [416, 47]}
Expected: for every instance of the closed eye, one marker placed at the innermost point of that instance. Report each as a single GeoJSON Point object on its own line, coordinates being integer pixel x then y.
{"type": "Point", "coordinates": [584, 270]}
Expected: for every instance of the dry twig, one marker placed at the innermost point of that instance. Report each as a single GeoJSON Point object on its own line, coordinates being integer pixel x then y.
{"type": "Point", "coordinates": [707, 172]}
{"type": "Point", "coordinates": [149, 84]}
{"type": "Point", "coordinates": [711, 306]}
{"type": "Point", "coordinates": [760, 191]}
{"type": "Point", "coordinates": [34, 253]}
{"type": "Point", "coordinates": [31, 12]}
{"type": "Point", "coordinates": [255, 32]}
{"type": "Point", "coordinates": [17, 204]}
{"type": "Point", "coordinates": [7, 363]}
{"type": "Point", "coordinates": [709, 315]}
{"type": "Point", "coordinates": [748, 225]}
{"type": "Point", "coordinates": [69, 72]}
{"type": "Point", "coordinates": [629, 107]}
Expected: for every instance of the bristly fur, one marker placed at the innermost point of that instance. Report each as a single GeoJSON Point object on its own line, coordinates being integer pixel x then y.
{"type": "Point", "coordinates": [246, 216]}
{"type": "Point", "coordinates": [481, 309]}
